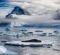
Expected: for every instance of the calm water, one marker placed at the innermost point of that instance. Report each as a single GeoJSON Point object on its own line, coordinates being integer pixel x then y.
{"type": "Point", "coordinates": [54, 50]}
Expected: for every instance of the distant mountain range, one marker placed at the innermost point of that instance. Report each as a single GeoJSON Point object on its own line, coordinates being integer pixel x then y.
{"type": "Point", "coordinates": [18, 11]}
{"type": "Point", "coordinates": [42, 25]}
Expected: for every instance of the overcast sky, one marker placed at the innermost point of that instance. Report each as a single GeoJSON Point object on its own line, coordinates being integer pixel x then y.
{"type": "Point", "coordinates": [40, 10]}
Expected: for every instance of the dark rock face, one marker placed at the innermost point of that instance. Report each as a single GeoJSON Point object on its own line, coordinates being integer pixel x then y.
{"type": "Point", "coordinates": [32, 40]}
{"type": "Point", "coordinates": [9, 16]}
{"type": "Point", "coordinates": [18, 11]}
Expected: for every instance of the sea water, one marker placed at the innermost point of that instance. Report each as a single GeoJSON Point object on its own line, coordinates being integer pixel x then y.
{"type": "Point", "coordinates": [54, 50]}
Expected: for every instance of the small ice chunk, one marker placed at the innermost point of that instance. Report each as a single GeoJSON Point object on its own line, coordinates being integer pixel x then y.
{"type": "Point", "coordinates": [2, 50]}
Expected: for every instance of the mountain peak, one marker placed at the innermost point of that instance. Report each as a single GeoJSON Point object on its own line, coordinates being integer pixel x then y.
{"type": "Point", "coordinates": [18, 11]}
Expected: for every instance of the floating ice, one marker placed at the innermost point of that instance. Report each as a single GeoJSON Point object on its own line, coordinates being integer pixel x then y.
{"type": "Point", "coordinates": [2, 50]}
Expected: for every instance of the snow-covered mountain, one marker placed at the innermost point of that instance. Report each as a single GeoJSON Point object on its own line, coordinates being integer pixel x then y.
{"type": "Point", "coordinates": [37, 11]}
{"type": "Point", "coordinates": [42, 10]}
{"type": "Point", "coordinates": [17, 11]}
